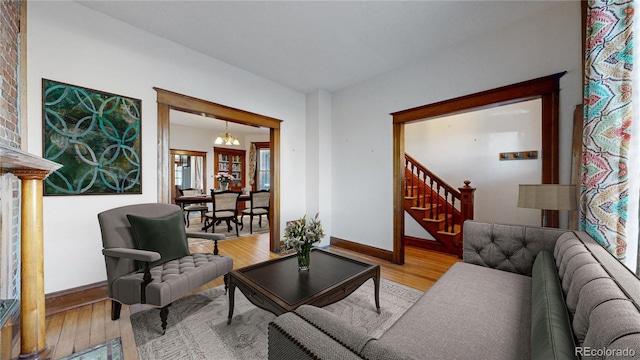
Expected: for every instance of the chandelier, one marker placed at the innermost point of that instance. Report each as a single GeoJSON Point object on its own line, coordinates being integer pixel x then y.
{"type": "Point", "coordinates": [226, 138]}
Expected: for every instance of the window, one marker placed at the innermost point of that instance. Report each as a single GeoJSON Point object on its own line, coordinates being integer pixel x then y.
{"type": "Point", "coordinates": [262, 174]}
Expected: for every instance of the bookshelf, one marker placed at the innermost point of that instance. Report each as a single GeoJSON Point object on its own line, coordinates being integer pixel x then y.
{"type": "Point", "coordinates": [230, 161]}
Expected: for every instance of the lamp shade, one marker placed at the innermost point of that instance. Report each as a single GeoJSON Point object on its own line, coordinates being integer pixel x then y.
{"type": "Point", "coordinates": [547, 196]}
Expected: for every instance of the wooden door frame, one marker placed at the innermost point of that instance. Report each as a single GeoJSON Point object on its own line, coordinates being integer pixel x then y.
{"type": "Point", "coordinates": [545, 88]}
{"type": "Point", "coordinates": [168, 100]}
{"type": "Point", "coordinates": [172, 153]}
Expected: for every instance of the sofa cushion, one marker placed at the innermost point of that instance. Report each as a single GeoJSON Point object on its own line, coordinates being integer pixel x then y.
{"type": "Point", "coordinates": [171, 280]}
{"type": "Point", "coordinates": [471, 312]}
{"type": "Point", "coordinates": [551, 335]}
{"type": "Point", "coordinates": [165, 235]}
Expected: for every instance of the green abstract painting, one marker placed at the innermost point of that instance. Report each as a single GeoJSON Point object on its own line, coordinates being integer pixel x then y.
{"type": "Point", "coordinates": [96, 136]}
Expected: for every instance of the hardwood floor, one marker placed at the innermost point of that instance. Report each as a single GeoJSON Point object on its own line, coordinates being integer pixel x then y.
{"type": "Point", "coordinates": [74, 330]}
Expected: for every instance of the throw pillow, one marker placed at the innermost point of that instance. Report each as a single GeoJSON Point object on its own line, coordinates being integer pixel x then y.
{"type": "Point", "coordinates": [551, 333]}
{"type": "Point", "coordinates": [165, 235]}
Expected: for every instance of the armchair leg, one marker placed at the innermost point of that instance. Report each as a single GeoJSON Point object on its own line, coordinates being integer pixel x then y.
{"type": "Point", "coordinates": [215, 247]}
{"type": "Point", "coordinates": [242, 222]}
{"type": "Point", "coordinates": [115, 310]}
{"type": "Point", "coordinates": [164, 313]}
{"type": "Point", "coordinates": [226, 283]}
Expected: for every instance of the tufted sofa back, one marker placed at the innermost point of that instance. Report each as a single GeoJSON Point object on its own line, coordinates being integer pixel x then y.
{"type": "Point", "coordinates": [505, 247]}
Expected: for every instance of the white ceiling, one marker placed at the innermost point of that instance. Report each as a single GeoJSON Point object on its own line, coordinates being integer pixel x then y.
{"type": "Point", "coordinates": [309, 45]}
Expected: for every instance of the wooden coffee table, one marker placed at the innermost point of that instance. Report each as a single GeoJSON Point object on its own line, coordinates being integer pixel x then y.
{"type": "Point", "coordinates": [277, 285]}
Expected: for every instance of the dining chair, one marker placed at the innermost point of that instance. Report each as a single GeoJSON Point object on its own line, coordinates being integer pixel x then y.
{"type": "Point", "coordinates": [202, 208]}
{"type": "Point", "coordinates": [260, 201]}
{"type": "Point", "coordinates": [225, 208]}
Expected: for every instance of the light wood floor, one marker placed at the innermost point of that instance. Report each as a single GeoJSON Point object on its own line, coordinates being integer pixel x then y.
{"type": "Point", "coordinates": [84, 327]}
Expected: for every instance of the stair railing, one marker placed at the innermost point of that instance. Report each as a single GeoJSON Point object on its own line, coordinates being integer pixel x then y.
{"type": "Point", "coordinates": [455, 205]}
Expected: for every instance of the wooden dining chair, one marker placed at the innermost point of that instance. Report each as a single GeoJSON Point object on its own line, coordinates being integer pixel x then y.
{"type": "Point", "coordinates": [260, 201]}
{"type": "Point", "coordinates": [202, 208]}
{"type": "Point", "coordinates": [225, 208]}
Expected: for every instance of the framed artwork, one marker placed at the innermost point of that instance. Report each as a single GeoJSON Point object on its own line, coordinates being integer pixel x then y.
{"type": "Point", "coordinates": [96, 136]}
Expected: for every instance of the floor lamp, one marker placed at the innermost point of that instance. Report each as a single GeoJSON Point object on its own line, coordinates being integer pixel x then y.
{"type": "Point", "coordinates": [547, 197]}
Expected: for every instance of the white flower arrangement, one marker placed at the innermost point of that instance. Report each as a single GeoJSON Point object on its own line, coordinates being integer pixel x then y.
{"type": "Point", "coordinates": [301, 233]}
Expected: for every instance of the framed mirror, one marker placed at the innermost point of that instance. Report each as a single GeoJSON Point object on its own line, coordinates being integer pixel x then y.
{"type": "Point", "coordinates": [188, 172]}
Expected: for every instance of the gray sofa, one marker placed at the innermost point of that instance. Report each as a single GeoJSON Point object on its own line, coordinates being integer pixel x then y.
{"type": "Point", "coordinates": [521, 293]}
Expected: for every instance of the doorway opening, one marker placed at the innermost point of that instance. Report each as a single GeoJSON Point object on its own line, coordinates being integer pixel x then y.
{"type": "Point", "coordinates": [168, 100]}
{"type": "Point", "coordinates": [547, 89]}
{"type": "Point", "coordinates": [189, 171]}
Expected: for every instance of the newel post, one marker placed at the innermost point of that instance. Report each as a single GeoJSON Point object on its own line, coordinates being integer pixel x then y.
{"type": "Point", "coordinates": [466, 201]}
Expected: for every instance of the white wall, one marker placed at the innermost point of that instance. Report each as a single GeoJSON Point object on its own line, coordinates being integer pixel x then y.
{"type": "Point", "coordinates": [362, 134]}
{"type": "Point", "coordinates": [185, 138]}
{"type": "Point", "coordinates": [467, 146]}
{"type": "Point", "coordinates": [70, 43]}
{"type": "Point", "coordinates": [318, 168]}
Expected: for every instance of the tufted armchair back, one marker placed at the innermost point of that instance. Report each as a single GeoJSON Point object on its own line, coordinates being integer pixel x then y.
{"type": "Point", "coordinates": [510, 248]}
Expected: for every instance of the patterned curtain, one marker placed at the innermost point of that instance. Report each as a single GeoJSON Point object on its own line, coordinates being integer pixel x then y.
{"type": "Point", "coordinates": [198, 171]}
{"type": "Point", "coordinates": [607, 123]}
{"type": "Point", "coordinates": [252, 164]}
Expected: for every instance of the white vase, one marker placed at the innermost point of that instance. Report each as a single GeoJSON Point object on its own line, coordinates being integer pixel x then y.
{"type": "Point", "coordinates": [224, 187]}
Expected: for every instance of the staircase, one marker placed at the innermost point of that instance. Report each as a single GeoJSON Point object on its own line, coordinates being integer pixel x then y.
{"type": "Point", "coordinates": [437, 207]}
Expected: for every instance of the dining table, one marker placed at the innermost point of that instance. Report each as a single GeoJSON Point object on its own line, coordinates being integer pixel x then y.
{"type": "Point", "coordinates": [183, 201]}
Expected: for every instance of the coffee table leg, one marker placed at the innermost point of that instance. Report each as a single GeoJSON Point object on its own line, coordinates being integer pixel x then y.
{"type": "Point", "coordinates": [232, 290]}
{"type": "Point", "coordinates": [376, 281]}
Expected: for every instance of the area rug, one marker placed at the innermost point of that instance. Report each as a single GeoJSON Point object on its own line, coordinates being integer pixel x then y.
{"type": "Point", "coordinates": [109, 350]}
{"type": "Point", "coordinates": [196, 226]}
{"type": "Point", "coordinates": [197, 325]}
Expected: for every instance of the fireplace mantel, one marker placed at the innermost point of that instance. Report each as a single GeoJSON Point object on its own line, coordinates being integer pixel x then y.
{"type": "Point", "coordinates": [31, 170]}
{"type": "Point", "coordinates": [16, 159]}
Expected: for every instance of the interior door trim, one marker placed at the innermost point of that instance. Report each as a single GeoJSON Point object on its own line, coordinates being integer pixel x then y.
{"type": "Point", "coordinates": [168, 100]}
{"type": "Point", "coordinates": [545, 88]}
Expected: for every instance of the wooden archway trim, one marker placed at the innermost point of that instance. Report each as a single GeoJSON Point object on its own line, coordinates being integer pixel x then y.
{"type": "Point", "coordinates": [545, 88]}
{"type": "Point", "coordinates": [168, 100]}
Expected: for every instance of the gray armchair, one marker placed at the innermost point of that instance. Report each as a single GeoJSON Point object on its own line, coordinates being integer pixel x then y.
{"type": "Point", "coordinates": [147, 258]}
